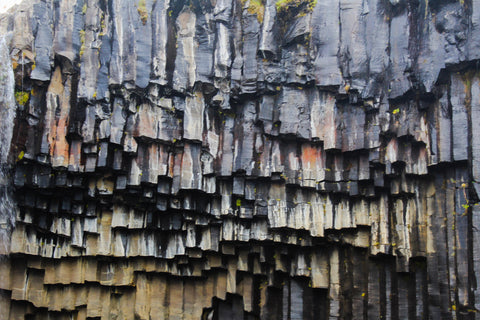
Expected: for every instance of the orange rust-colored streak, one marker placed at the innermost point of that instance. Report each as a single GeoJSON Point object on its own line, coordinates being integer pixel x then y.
{"type": "Point", "coordinates": [59, 147]}
{"type": "Point", "coordinates": [55, 89]}
{"type": "Point", "coordinates": [171, 164]}
{"type": "Point", "coordinates": [309, 155]}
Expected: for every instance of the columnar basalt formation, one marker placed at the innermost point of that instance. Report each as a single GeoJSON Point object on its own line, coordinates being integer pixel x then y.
{"type": "Point", "coordinates": [244, 159]}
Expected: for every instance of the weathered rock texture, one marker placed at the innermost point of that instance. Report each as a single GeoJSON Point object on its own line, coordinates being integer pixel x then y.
{"type": "Point", "coordinates": [236, 159]}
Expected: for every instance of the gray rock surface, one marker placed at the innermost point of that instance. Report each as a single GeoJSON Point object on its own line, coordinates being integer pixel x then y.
{"type": "Point", "coordinates": [253, 159]}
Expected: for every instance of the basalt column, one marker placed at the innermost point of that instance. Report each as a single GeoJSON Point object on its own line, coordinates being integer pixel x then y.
{"type": "Point", "coordinates": [240, 159]}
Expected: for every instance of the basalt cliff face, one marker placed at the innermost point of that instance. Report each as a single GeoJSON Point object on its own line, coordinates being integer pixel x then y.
{"type": "Point", "coordinates": [240, 159]}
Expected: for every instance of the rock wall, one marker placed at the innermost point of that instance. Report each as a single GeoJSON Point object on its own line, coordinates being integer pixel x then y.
{"type": "Point", "coordinates": [244, 159]}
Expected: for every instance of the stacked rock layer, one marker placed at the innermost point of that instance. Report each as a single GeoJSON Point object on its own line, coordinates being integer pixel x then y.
{"type": "Point", "coordinates": [244, 159]}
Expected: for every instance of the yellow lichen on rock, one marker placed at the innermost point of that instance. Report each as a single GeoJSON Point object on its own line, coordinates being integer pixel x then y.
{"type": "Point", "coordinates": [21, 97]}
{"type": "Point", "coordinates": [285, 4]}
{"type": "Point", "coordinates": [255, 7]}
{"type": "Point", "coordinates": [142, 11]}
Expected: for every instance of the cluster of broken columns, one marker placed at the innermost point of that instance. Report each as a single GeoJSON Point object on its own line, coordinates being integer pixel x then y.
{"type": "Point", "coordinates": [244, 159]}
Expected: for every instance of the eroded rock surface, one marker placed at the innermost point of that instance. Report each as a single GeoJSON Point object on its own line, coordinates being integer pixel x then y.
{"type": "Point", "coordinates": [244, 159]}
